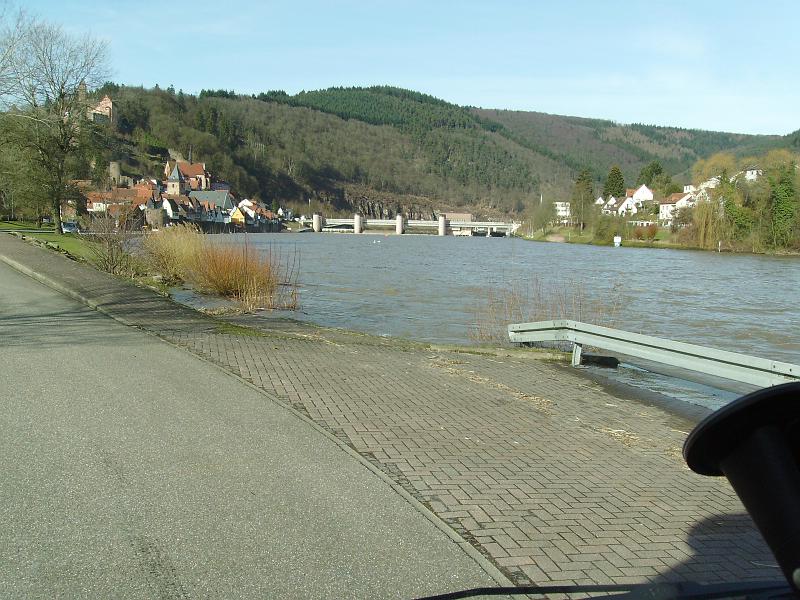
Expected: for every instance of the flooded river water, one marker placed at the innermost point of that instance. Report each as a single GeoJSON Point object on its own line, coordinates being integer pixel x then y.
{"type": "Point", "coordinates": [436, 289]}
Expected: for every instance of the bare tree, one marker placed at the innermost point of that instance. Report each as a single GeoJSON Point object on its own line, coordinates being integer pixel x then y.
{"type": "Point", "coordinates": [11, 30]}
{"type": "Point", "coordinates": [49, 72]}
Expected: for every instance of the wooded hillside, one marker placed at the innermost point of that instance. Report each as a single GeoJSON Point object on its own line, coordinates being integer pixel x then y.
{"type": "Point", "coordinates": [396, 147]}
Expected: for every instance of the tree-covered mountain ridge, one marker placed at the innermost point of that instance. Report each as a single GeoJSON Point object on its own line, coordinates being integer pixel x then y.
{"type": "Point", "coordinates": [383, 149]}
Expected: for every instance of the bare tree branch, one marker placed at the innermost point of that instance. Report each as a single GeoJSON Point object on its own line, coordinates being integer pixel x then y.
{"type": "Point", "coordinates": [12, 30]}
{"type": "Point", "coordinates": [45, 75]}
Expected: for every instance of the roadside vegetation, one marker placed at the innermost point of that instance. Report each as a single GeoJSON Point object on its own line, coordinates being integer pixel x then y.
{"type": "Point", "coordinates": [256, 280]}
{"type": "Point", "coordinates": [544, 298]}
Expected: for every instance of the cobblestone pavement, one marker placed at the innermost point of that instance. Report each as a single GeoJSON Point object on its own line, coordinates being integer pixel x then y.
{"type": "Point", "coordinates": [549, 475]}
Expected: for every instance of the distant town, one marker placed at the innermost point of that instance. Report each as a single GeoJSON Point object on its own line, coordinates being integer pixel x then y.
{"type": "Point", "coordinates": [639, 204]}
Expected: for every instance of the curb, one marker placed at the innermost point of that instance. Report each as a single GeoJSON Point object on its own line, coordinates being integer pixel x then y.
{"type": "Point", "coordinates": [44, 279]}
{"type": "Point", "coordinates": [488, 567]}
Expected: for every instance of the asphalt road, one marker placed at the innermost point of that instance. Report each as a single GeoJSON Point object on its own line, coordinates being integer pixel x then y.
{"type": "Point", "coordinates": [132, 469]}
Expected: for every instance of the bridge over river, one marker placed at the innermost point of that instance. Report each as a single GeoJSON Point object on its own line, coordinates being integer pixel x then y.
{"type": "Point", "coordinates": [443, 226]}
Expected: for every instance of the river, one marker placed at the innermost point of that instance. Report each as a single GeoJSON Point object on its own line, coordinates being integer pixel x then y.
{"type": "Point", "coordinates": [436, 289]}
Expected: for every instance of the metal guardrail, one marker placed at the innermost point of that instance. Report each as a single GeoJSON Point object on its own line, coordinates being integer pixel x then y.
{"type": "Point", "coordinates": [761, 372]}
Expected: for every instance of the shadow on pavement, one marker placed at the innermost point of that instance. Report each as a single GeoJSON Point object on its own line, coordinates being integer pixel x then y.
{"type": "Point", "coordinates": [37, 325]}
{"type": "Point", "coordinates": [712, 560]}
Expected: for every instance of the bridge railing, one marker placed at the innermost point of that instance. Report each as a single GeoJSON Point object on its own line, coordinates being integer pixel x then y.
{"type": "Point", "coordinates": [761, 372]}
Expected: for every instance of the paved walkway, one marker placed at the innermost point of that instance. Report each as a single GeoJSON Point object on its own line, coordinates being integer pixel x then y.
{"type": "Point", "coordinates": [546, 473]}
{"type": "Point", "coordinates": [133, 469]}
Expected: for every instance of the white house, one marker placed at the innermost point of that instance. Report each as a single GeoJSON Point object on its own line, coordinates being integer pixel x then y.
{"type": "Point", "coordinates": [632, 203]}
{"type": "Point", "coordinates": [642, 194]}
{"type": "Point", "coordinates": [669, 206]}
{"type": "Point", "coordinates": [610, 207]}
{"type": "Point", "coordinates": [600, 200]}
{"type": "Point", "coordinates": [248, 207]}
{"type": "Point", "coordinates": [629, 206]}
{"type": "Point", "coordinates": [563, 212]}
{"type": "Point", "coordinates": [751, 174]}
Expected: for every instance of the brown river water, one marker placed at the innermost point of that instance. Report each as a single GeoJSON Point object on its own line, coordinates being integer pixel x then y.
{"type": "Point", "coordinates": [438, 290]}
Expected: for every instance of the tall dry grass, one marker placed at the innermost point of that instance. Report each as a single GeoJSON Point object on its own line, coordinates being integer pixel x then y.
{"type": "Point", "coordinates": [240, 272]}
{"type": "Point", "coordinates": [173, 251]}
{"type": "Point", "coordinates": [254, 279]}
{"type": "Point", "coordinates": [536, 299]}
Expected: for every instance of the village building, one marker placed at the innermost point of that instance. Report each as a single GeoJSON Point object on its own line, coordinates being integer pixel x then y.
{"type": "Point", "coordinates": [194, 175]}
{"type": "Point", "coordinates": [563, 212]}
{"type": "Point", "coordinates": [223, 198]}
{"type": "Point", "coordinates": [102, 112]}
{"type": "Point", "coordinates": [640, 195]}
{"type": "Point", "coordinates": [610, 206]}
{"type": "Point", "coordinates": [175, 183]}
{"type": "Point", "coordinates": [669, 206]}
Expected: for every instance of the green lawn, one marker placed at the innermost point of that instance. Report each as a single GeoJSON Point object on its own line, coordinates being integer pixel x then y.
{"type": "Point", "coordinates": [76, 245]}
{"type": "Point", "coordinates": [14, 225]}
{"type": "Point", "coordinates": [664, 238]}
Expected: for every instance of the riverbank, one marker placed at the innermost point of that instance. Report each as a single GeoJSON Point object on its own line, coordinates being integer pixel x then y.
{"type": "Point", "coordinates": [545, 473]}
{"type": "Point", "coordinates": [663, 241]}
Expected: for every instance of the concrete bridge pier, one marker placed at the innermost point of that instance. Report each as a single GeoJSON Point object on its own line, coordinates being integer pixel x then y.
{"type": "Point", "coordinates": [398, 228]}
{"type": "Point", "coordinates": [358, 225]}
{"type": "Point", "coordinates": [442, 225]}
{"type": "Point", "coordinates": [317, 222]}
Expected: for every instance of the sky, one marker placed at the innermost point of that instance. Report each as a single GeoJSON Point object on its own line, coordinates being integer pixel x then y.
{"type": "Point", "coordinates": [706, 64]}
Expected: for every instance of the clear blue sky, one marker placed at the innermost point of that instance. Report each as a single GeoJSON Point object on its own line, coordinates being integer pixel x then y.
{"type": "Point", "coordinates": [710, 64]}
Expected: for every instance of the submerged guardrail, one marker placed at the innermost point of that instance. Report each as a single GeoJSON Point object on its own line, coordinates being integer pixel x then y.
{"type": "Point", "coordinates": [761, 372]}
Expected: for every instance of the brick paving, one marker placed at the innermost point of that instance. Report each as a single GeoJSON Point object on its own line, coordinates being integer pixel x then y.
{"type": "Point", "coordinates": [553, 478]}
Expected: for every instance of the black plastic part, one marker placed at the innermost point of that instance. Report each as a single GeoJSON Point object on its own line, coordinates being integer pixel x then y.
{"type": "Point", "coordinates": [755, 442]}
{"type": "Point", "coordinates": [719, 433]}
{"type": "Point", "coordinates": [598, 360]}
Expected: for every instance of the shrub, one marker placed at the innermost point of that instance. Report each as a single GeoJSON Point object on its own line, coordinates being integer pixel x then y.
{"type": "Point", "coordinates": [108, 246]}
{"type": "Point", "coordinates": [172, 251]}
{"type": "Point", "coordinates": [235, 271]}
{"type": "Point", "coordinates": [536, 299]}
{"type": "Point", "coordinates": [638, 233]}
{"type": "Point", "coordinates": [606, 228]}
{"type": "Point", "coordinates": [242, 273]}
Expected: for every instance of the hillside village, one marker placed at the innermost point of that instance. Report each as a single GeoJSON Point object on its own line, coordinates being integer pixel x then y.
{"type": "Point", "coordinates": [187, 193]}
{"type": "Point", "coordinates": [640, 208]}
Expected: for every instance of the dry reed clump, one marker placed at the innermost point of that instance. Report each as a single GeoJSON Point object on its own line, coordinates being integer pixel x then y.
{"type": "Point", "coordinates": [239, 272]}
{"type": "Point", "coordinates": [534, 300]}
{"type": "Point", "coordinates": [242, 273]}
{"type": "Point", "coordinates": [173, 251]}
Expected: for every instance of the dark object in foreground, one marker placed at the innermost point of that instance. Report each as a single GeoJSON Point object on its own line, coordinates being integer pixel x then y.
{"type": "Point", "coordinates": [598, 360]}
{"type": "Point", "coordinates": [755, 442]}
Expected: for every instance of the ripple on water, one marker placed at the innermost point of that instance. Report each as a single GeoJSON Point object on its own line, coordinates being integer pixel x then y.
{"type": "Point", "coordinates": [430, 288]}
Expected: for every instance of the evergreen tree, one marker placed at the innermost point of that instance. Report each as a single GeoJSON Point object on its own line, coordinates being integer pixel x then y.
{"type": "Point", "coordinates": [649, 172]}
{"type": "Point", "coordinates": [615, 183]}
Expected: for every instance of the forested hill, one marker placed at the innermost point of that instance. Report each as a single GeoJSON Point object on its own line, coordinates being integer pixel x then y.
{"type": "Point", "coordinates": [388, 147]}
{"type": "Point", "coordinates": [597, 144]}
